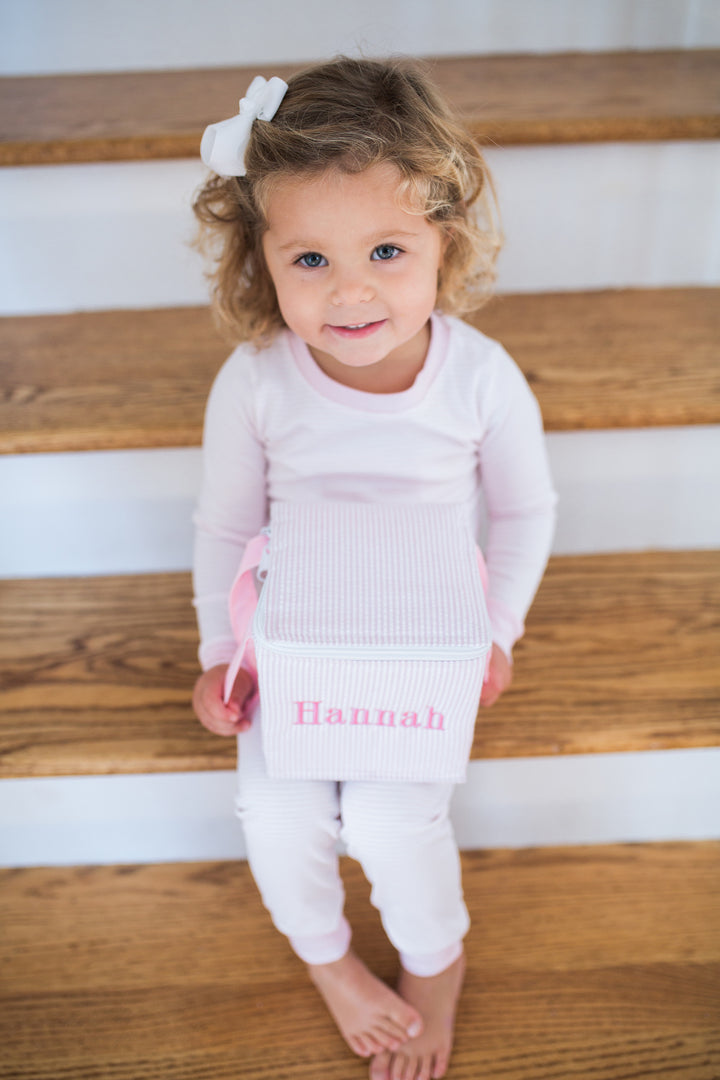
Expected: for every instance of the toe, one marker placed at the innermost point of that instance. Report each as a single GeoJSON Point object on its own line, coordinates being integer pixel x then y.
{"type": "Point", "coordinates": [388, 1039]}
{"type": "Point", "coordinates": [366, 1045]}
{"type": "Point", "coordinates": [380, 1067]}
{"type": "Point", "coordinates": [424, 1070]}
{"type": "Point", "coordinates": [408, 1018]}
{"type": "Point", "coordinates": [358, 1046]}
{"type": "Point", "coordinates": [393, 1032]}
{"type": "Point", "coordinates": [440, 1067]}
{"type": "Point", "coordinates": [400, 1068]}
{"type": "Point", "coordinates": [374, 1043]}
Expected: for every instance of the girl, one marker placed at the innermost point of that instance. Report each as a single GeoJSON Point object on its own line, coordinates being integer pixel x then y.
{"type": "Point", "coordinates": [350, 222]}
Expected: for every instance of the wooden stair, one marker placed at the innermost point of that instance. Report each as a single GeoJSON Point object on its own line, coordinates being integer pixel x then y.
{"type": "Point", "coordinates": [588, 962]}
{"type": "Point", "coordinates": [129, 379]}
{"type": "Point", "coordinates": [569, 97]}
{"type": "Point", "coordinates": [621, 654]}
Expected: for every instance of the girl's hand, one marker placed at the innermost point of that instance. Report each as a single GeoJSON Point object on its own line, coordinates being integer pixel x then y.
{"type": "Point", "coordinates": [498, 677]}
{"type": "Point", "coordinates": [210, 708]}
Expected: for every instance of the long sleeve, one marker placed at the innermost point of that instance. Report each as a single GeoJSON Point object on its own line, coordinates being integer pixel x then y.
{"type": "Point", "coordinates": [519, 497]}
{"type": "Point", "coordinates": [231, 507]}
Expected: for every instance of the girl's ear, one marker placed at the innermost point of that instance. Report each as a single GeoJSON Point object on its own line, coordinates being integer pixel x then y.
{"type": "Point", "coordinates": [446, 242]}
{"type": "Point", "coordinates": [446, 239]}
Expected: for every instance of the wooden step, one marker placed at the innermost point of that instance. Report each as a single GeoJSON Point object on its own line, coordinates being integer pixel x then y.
{"type": "Point", "coordinates": [129, 379]}
{"type": "Point", "coordinates": [596, 962]}
{"type": "Point", "coordinates": [569, 97]}
{"type": "Point", "coordinates": [621, 653]}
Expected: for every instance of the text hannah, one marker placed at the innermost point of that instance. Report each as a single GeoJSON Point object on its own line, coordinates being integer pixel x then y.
{"type": "Point", "coordinates": [314, 713]}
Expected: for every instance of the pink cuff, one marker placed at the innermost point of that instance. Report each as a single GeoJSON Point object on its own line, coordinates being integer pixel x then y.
{"type": "Point", "coordinates": [505, 625]}
{"type": "Point", "coordinates": [217, 651]}
{"type": "Point", "coordinates": [323, 948]}
{"type": "Point", "coordinates": [428, 964]}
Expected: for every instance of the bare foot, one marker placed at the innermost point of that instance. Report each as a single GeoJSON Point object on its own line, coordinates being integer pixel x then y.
{"type": "Point", "coordinates": [371, 1017]}
{"type": "Point", "coordinates": [427, 1056]}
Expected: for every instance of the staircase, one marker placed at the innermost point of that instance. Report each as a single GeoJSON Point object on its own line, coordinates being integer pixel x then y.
{"type": "Point", "coordinates": [587, 958]}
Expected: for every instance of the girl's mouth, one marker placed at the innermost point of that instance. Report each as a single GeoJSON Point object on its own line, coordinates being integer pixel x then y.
{"type": "Point", "coordinates": [357, 330]}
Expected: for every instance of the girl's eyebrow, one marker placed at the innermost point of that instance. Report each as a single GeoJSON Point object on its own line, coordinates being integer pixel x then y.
{"type": "Point", "coordinates": [375, 238]}
{"type": "Point", "coordinates": [295, 244]}
{"type": "Point", "coordinates": [389, 234]}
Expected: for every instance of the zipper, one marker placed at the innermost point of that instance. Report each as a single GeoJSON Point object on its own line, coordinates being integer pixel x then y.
{"type": "Point", "coordinates": [264, 565]}
{"type": "Point", "coordinates": [344, 652]}
{"type": "Point", "coordinates": [350, 652]}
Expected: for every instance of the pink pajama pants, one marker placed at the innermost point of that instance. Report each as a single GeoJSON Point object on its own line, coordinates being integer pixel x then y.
{"type": "Point", "coordinates": [399, 833]}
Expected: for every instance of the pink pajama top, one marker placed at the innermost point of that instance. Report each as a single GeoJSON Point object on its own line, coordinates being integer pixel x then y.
{"type": "Point", "coordinates": [468, 431]}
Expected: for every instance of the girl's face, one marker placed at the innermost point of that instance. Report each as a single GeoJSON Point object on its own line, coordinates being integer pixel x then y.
{"type": "Point", "coordinates": [355, 275]}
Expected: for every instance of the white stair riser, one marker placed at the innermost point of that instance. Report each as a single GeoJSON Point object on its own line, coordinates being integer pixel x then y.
{"type": "Point", "coordinates": [588, 799]}
{"type": "Point", "coordinates": [130, 511]}
{"type": "Point", "coordinates": [41, 36]}
{"type": "Point", "coordinates": [104, 236]}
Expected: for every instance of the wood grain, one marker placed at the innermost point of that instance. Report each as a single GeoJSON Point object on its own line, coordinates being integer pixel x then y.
{"type": "Point", "coordinates": [97, 675]}
{"type": "Point", "coordinates": [601, 962]}
{"type": "Point", "coordinates": [615, 358]}
{"type": "Point", "coordinates": [622, 652]}
{"type": "Point", "coordinates": [106, 380]}
{"type": "Point", "coordinates": [570, 97]}
{"type": "Point", "coordinates": [129, 379]}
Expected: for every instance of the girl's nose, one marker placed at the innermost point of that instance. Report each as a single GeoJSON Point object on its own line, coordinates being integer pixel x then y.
{"type": "Point", "coordinates": [350, 288]}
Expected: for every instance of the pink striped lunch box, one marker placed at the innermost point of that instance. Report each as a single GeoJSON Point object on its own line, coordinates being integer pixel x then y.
{"type": "Point", "coordinates": [371, 639]}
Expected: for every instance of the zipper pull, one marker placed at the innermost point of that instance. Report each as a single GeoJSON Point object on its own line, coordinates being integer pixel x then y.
{"type": "Point", "coordinates": [264, 564]}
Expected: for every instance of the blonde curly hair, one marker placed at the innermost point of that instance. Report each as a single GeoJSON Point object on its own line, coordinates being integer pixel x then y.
{"type": "Point", "coordinates": [351, 114]}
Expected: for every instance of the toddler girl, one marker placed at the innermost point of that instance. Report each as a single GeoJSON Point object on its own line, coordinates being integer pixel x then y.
{"type": "Point", "coordinates": [350, 220]}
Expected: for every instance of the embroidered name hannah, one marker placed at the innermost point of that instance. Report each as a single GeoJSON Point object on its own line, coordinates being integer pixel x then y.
{"type": "Point", "coordinates": [314, 712]}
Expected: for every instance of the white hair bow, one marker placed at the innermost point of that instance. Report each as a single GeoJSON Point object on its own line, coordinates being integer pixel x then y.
{"type": "Point", "coordinates": [224, 144]}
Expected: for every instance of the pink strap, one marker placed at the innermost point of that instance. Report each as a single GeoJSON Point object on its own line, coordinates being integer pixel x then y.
{"type": "Point", "coordinates": [482, 568]}
{"type": "Point", "coordinates": [484, 578]}
{"type": "Point", "coordinates": [243, 602]}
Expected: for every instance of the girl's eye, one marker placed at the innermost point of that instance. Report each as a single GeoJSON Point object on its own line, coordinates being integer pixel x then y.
{"type": "Point", "coordinates": [385, 251]}
{"type": "Point", "coordinates": [312, 260]}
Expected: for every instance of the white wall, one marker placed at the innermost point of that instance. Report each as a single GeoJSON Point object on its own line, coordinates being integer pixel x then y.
{"type": "Point", "coordinates": [129, 511]}
{"type": "Point", "coordinates": [46, 36]}
{"type": "Point", "coordinates": [624, 798]}
{"type": "Point", "coordinates": [594, 216]}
